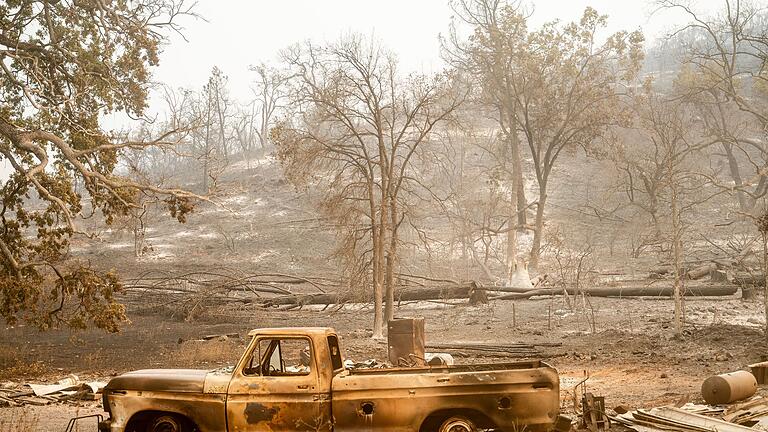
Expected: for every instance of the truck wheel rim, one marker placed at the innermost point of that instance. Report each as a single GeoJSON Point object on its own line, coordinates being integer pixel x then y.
{"type": "Point", "coordinates": [166, 424]}
{"type": "Point", "coordinates": [459, 426]}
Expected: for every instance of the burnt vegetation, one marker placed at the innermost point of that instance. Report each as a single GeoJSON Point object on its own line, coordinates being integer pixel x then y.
{"type": "Point", "coordinates": [558, 157]}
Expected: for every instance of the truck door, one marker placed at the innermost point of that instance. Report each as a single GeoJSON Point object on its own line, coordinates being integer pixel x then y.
{"type": "Point", "coordinates": [277, 388]}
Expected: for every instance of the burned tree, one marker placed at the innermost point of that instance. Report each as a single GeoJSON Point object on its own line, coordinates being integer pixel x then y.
{"type": "Point", "coordinates": [270, 91]}
{"type": "Point", "coordinates": [209, 111]}
{"type": "Point", "coordinates": [660, 159]}
{"type": "Point", "coordinates": [556, 87]}
{"type": "Point", "coordinates": [498, 31]}
{"type": "Point", "coordinates": [356, 130]}
{"type": "Point", "coordinates": [723, 63]}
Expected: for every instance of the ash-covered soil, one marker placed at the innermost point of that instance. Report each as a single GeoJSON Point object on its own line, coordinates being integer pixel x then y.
{"type": "Point", "coordinates": [632, 357]}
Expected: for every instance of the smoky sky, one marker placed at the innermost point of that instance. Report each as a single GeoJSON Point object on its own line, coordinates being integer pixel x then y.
{"type": "Point", "coordinates": [234, 34]}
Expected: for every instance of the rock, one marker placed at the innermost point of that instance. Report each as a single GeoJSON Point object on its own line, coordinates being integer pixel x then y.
{"type": "Point", "coordinates": [360, 334]}
{"type": "Point", "coordinates": [723, 356]}
{"type": "Point", "coordinates": [622, 409]}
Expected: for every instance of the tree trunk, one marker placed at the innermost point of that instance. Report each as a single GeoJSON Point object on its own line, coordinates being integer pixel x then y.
{"type": "Point", "coordinates": [391, 261]}
{"type": "Point", "coordinates": [378, 324]}
{"type": "Point", "coordinates": [701, 271]}
{"type": "Point", "coordinates": [220, 115]}
{"type": "Point", "coordinates": [539, 228]}
{"type": "Point", "coordinates": [678, 262]}
{"type": "Point", "coordinates": [206, 157]}
{"type": "Point", "coordinates": [378, 329]}
{"type": "Point", "coordinates": [519, 185]}
{"type": "Point", "coordinates": [733, 166]}
{"type": "Point", "coordinates": [636, 291]}
{"type": "Point", "coordinates": [512, 233]}
{"type": "Point", "coordinates": [517, 214]}
{"type": "Point", "coordinates": [765, 284]}
{"type": "Point", "coordinates": [384, 231]}
{"type": "Point", "coordinates": [465, 291]}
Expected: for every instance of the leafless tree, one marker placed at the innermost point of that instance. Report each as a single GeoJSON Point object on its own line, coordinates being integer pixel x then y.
{"type": "Point", "coordinates": [723, 62]}
{"type": "Point", "coordinates": [666, 155]}
{"type": "Point", "coordinates": [356, 129]}
{"type": "Point", "coordinates": [270, 91]}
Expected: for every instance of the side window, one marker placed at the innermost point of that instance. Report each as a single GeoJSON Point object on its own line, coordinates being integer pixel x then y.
{"type": "Point", "coordinates": [333, 348]}
{"type": "Point", "coordinates": [280, 357]}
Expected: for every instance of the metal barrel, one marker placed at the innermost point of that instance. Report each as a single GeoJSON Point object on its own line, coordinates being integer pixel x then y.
{"type": "Point", "coordinates": [728, 387]}
{"type": "Point", "coordinates": [406, 341]}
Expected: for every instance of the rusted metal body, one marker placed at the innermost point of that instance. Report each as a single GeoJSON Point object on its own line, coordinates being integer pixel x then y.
{"type": "Point", "coordinates": [593, 415]}
{"type": "Point", "coordinates": [760, 371]}
{"type": "Point", "coordinates": [323, 396]}
{"type": "Point", "coordinates": [405, 341]}
{"type": "Point", "coordinates": [728, 387]}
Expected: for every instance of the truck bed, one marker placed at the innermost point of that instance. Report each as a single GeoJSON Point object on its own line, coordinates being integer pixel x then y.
{"type": "Point", "coordinates": [505, 396]}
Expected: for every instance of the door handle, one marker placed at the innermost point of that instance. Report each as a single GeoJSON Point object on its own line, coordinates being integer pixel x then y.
{"type": "Point", "coordinates": [303, 387]}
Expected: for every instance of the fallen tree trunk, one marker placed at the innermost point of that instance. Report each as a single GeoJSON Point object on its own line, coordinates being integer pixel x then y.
{"type": "Point", "coordinates": [306, 299]}
{"type": "Point", "coordinates": [464, 292]}
{"type": "Point", "coordinates": [701, 271]}
{"type": "Point", "coordinates": [403, 294]}
{"type": "Point", "coordinates": [507, 289]}
{"type": "Point", "coordinates": [637, 291]}
{"type": "Point", "coordinates": [694, 273]}
{"type": "Point", "coordinates": [756, 279]}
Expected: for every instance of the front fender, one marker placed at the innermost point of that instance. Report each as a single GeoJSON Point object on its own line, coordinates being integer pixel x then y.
{"type": "Point", "coordinates": [206, 411]}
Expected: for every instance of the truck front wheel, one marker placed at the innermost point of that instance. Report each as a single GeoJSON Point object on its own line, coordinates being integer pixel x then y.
{"type": "Point", "coordinates": [168, 423]}
{"type": "Point", "coordinates": [458, 424]}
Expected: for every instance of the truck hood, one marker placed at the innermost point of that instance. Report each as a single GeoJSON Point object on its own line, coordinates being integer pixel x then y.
{"type": "Point", "coordinates": [165, 380]}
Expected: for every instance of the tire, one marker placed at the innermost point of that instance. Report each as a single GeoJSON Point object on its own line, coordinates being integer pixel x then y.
{"type": "Point", "coordinates": [458, 424]}
{"type": "Point", "coordinates": [168, 423]}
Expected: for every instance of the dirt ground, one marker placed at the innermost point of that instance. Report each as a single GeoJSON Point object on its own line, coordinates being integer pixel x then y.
{"type": "Point", "coordinates": [632, 357]}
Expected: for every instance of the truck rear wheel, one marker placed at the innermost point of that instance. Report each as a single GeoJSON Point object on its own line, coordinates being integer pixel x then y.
{"type": "Point", "coordinates": [168, 423]}
{"type": "Point", "coordinates": [458, 424]}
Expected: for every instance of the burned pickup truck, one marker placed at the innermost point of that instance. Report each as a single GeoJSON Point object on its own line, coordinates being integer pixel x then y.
{"type": "Point", "coordinates": [294, 379]}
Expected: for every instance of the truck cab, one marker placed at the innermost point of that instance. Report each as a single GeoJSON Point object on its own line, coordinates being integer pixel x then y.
{"type": "Point", "coordinates": [284, 380]}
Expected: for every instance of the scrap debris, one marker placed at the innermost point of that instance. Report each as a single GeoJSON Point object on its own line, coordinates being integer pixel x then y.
{"type": "Point", "coordinates": [760, 371]}
{"type": "Point", "coordinates": [746, 416]}
{"type": "Point", "coordinates": [593, 415]}
{"type": "Point", "coordinates": [750, 413]}
{"type": "Point", "coordinates": [675, 419]}
{"type": "Point", "coordinates": [70, 388]}
{"type": "Point", "coordinates": [367, 364]}
{"type": "Point", "coordinates": [722, 413]}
